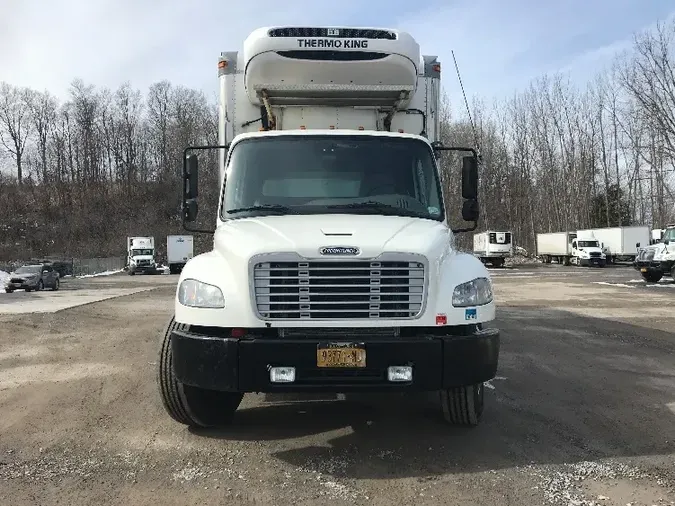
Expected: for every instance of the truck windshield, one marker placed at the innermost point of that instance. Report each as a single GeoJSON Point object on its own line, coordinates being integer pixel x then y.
{"type": "Point", "coordinates": [587, 244]}
{"type": "Point", "coordinates": [318, 174]}
{"type": "Point", "coordinates": [668, 235]}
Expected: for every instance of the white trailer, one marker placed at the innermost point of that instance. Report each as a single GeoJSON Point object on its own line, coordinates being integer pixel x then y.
{"type": "Point", "coordinates": [620, 243]}
{"type": "Point", "coordinates": [493, 247]}
{"type": "Point", "coordinates": [179, 249]}
{"type": "Point", "coordinates": [141, 255]}
{"type": "Point", "coordinates": [334, 265]}
{"type": "Point", "coordinates": [555, 246]}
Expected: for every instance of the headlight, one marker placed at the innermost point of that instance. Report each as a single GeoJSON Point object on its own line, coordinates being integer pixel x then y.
{"type": "Point", "coordinates": [193, 293]}
{"type": "Point", "coordinates": [476, 292]}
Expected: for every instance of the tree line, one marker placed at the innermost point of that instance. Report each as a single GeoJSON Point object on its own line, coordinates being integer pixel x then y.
{"type": "Point", "coordinates": [103, 165]}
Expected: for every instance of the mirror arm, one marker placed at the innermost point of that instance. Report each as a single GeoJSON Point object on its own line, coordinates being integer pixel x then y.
{"type": "Point", "coordinates": [467, 229]}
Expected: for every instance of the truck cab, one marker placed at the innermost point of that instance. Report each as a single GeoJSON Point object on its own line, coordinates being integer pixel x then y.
{"type": "Point", "coordinates": [141, 255]}
{"type": "Point", "coordinates": [587, 251]}
{"type": "Point", "coordinates": [334, 267]}
{"type": "Point", "coordinates": [658, 259]}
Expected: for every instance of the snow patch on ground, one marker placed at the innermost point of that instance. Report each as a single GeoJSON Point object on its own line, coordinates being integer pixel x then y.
{"type": "Point", "coordinates": [4, 276]}
{"type": "Point", "coordinates": [623, 285]}
{"type": "Point", "coordinates": [104, 273]}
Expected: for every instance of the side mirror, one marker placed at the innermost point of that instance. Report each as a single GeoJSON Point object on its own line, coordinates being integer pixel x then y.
{"type": "Point", "coordinates": [470, 178]}
{"type": "Point", "coordinates": [190, 187]}
{"type": "Point", "coordinates": [470, 210]}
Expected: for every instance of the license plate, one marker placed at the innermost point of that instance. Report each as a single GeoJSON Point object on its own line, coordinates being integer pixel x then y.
{"type": "Point", "coordinates": [644, 269]}
{"type": "Point", "coordinates": [341, 355]}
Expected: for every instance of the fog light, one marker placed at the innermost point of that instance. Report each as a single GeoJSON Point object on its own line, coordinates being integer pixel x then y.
{"type": "Point", "coordinates": [282, 374]}
{"type": "Point", "coordinates": [399, 373]}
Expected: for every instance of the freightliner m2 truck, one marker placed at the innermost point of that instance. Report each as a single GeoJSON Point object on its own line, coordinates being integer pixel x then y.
{"type": "Point", "coordinates": [658, 260]}
{"type": "Point", "coordinates": [334, 266]}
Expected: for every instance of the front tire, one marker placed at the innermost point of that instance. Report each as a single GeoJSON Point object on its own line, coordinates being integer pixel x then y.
{"type": "Point", "coordinates": [192, 406]}
{"type": "Point", "coordinates": [463, 405]}
{"type": "Point", "coordinates": [652, 277]}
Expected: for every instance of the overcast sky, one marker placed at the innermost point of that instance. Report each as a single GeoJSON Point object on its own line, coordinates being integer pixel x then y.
{"type": "Point", "coordinates": [500, 44]}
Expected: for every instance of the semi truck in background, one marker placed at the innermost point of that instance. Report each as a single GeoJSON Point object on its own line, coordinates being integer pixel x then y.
{"type": "Point", "coordinates": [179, 249]}
{"type": "Point", "coordinates": [658, 259]}
{"type": "Point", "coordinates": [141, 255]}
{"type": "Point", "coordinates": [493, 247]}
{"type": "Point", "coordinates": [586, 250]}
{"type": "Point", "coordinates": [619, 243]}
{"type": "Point", "coordinates": [334, 265]}
{"type": "Point", "coordinates": [571, 248]}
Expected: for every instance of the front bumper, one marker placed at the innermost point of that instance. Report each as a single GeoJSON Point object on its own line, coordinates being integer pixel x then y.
{"type": "Point", "coordinates": [242, 365]}
{"type": "Point", "coordinates": [586, 262]}
{"type": "Point", "coordinates": [143, 268]}
{"type": "Point", "coordinates": [22, 285]}
{"type": "Point", "coordinates": [664, 266]}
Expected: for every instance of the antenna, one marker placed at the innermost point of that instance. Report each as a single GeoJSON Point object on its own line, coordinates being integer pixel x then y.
{"type": "Point", "coordinates": [466, 103]}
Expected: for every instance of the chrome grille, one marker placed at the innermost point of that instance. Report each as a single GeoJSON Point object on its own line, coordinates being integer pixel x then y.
{"type": "Point", "coordinates": [594, 254]}
{"type": "Point", "coordinates": [339, 289]}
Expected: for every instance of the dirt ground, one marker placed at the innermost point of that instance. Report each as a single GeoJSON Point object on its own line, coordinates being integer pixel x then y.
{"type": "Point", "coordinates": [582, 410]}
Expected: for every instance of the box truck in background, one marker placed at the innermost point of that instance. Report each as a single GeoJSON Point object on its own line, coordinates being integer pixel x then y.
{"type": "Point", "coordinates": [179, 249]}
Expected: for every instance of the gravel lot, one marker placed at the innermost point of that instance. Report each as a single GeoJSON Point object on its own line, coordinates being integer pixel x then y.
{"type": "Point", "coordinates": [582, 412]}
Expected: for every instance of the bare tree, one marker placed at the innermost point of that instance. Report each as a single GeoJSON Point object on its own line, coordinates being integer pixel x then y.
{"type": "Point", "coordinates": [15, 123]}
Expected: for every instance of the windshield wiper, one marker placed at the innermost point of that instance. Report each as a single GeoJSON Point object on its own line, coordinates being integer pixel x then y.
{"type": "Point", "coordinates": [379, 206]}
{"type": "Point", "coordinates": [264, 207]}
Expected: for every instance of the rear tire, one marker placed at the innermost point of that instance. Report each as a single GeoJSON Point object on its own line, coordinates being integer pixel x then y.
{"type": "Point", "coordinates": [652, 277]}
{"type": "Point", "coordinates": [192, 406]}
{"type": "Point", "coordinates": [57, 283]}
{"type": "Point", "coordinates": [8, 290]}
{"type": "Point", "coordinates": [463, 405]}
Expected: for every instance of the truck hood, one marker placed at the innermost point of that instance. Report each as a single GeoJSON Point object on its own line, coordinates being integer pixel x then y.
{"type": "Point", "coordinates": [306, 235]}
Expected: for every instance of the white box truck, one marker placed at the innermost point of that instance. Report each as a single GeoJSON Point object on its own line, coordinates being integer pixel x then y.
{"type": "Point", "coordinates": [179, 249]}
{"type": "Point", "coordinates": [141, 255]}
{"type": "Point", "coordinates": [333, 266]}
{"type": "Point", "coordinates": [658, 260]}
{"type": "Point", "coordinates": [493, 247]}
{"type": "Point", "coordinates": [620, 243]}
{"type": "Point", "coordinates": [570, 248]}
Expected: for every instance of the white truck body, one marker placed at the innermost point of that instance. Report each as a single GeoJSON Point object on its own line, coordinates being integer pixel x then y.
{"type": "Point", "coordinates": [555, 244]}
{"type": "Point", "coordinates": [325, 94]}
{"type": "Point", "coordinates": [141, 255]}
{"type": "Point", "coordinates": [331, 241]}
{"type": "Point", "coordinates": [493, 247]}
{"type": "Point", "coordinates": [179, 249]}
{"type": "Point", "coordinates": [620, 243]}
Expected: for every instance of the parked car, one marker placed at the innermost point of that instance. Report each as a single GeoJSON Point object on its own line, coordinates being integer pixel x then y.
{"type": "Point", "coordinates": [33, 277]}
